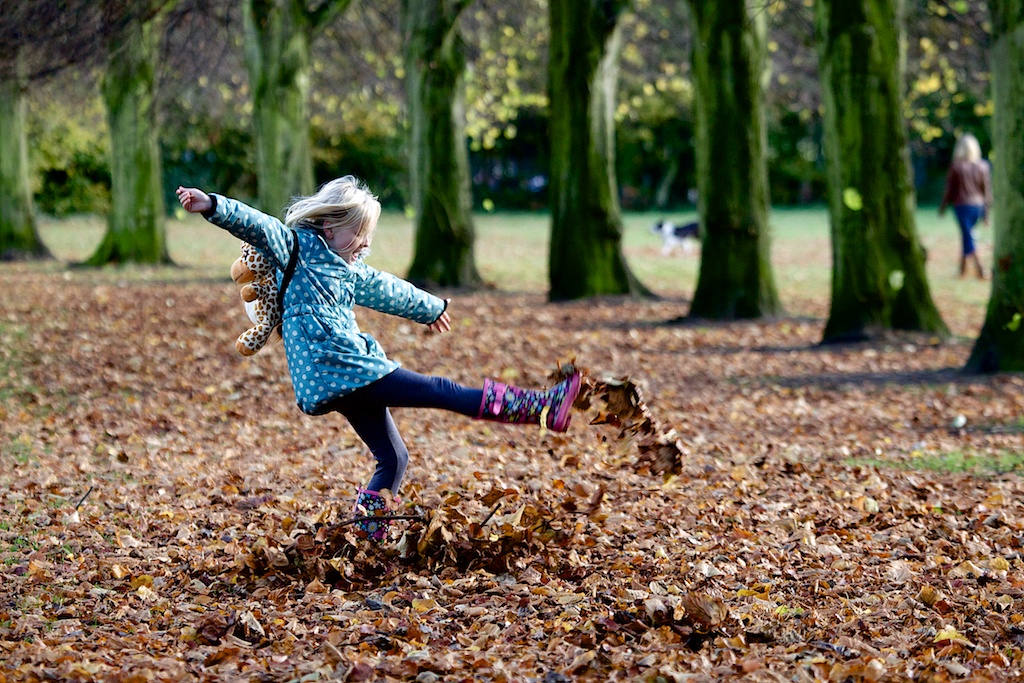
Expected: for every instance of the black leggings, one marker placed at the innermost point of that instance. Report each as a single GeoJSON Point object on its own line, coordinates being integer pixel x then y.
{"type": "Point", "coordinates": [367, 411]}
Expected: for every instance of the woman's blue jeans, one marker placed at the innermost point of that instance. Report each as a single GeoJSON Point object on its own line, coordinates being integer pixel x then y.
{"type": "Point", "coordinates": [967, 216]}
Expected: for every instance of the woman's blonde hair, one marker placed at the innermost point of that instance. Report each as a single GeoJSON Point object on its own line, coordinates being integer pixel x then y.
{"type": "Point", "coordinates": [343, 204]}
{"type": "Point", "coordinates": [967, 148]}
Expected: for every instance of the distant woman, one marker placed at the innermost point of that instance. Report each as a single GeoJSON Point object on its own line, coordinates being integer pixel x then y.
{"type": "Point", "coordinates": [969, 192]}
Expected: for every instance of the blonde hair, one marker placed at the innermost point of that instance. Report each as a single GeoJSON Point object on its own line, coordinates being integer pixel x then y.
{"type": "Point", "coordinates": [967, 148]}
{"type": "Point", "coordinates": [344, 204]}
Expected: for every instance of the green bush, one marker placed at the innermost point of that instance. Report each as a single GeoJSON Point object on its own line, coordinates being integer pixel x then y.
{"type": "Point", "coordinates": [512, 175]}
{"type": "Point", "coordinates": [796, 164]}
{"type": "Point", "coordinates": [656, 165]}
{"type": "Point", "coordinates": [80, 185]}
{"type": "Point", "coordinates": [217, 159]}
{"type": "Point", "coordinates": [373, 156]}
{"type": "Point", "coordinates": [68, 152]}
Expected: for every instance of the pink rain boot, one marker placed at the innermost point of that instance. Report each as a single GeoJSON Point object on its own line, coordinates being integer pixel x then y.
{"type": "Point", "coordinates": [505, 403]}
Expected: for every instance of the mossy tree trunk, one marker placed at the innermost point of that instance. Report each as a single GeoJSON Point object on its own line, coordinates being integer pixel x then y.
{"type": "Point", "coordinates": [19, 238]}
{"type": "Point", "coordinates": [1000, 346]}
{"type": "Point", "coordinates": [878, 269]}
{"type": "Point", "coordinates": [586, 256]}
{"type": "Point", "coordinates": [135, 230]}
{"type": "Point", "coordinates": [278, 35]}
{"type": "Point", "coordinates": [729, 61]}
{"type": "Point", "coordinates": [435, 66]}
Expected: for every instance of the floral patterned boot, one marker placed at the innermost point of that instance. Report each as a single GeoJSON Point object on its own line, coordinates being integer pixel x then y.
{"type": "Point", "coordinates": [506, 403]}
{"type": "Point", "coordinates": [372, 504]}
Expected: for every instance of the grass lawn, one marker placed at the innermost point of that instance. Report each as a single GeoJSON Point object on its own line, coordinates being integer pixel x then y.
{"type": "Point", "coordinates": [512, 254]}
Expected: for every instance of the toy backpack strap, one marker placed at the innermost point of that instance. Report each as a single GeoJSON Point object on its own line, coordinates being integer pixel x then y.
{"type": "Point", "coordinates": [288, 271]}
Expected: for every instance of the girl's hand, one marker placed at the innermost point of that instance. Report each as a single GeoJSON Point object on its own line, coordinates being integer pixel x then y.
{"type": "Point", "coordinates": [442, 324]}
{"type": "Point", "coordinates": [194, 200]}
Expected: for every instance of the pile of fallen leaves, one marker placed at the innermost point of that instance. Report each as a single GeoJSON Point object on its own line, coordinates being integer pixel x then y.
{"type": "Point", "coordinates": [744, 505]}
{"type": "Point", "coordinates": [433, 540]}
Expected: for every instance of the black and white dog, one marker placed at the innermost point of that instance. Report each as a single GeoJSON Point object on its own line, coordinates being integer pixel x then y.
{"type": "Point", "coordinates": [686, 235]}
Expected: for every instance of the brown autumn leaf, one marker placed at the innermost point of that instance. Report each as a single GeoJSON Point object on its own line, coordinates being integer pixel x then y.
{"type": "Point", "coordinates": [703, 612]}
{"type": "Point", "coordinates": [212, 628]}
{"type": "Point", "coordinates": [659, 456]}
{"type": "Point", "coordinates": [221, 655]}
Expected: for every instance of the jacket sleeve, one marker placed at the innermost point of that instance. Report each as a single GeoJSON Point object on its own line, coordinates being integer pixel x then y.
{"type": "Point", "coordinates": [270, 237]}
{"type": "Point", "coordinates": [389, 294]}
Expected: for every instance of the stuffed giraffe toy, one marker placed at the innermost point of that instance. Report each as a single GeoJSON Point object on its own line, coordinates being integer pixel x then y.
{"type": "Point", "coordinates": [258, 278]}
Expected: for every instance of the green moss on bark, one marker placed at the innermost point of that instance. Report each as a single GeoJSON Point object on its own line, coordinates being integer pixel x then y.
{"type": "Point", "coordinates": [19, 238]}
{"type": "Point", "coordinates": [585, 256]}
{"type": "Point", "coordinates": [729, 54]}
{"type": "Point", "coordinates": [878, 274]}
{"type": "Point", "coordinates": [135, 231]}
{"type": "Point", "coordinates": [1000, 346]}
{"type": "Point", "coordinates": [438, 159]}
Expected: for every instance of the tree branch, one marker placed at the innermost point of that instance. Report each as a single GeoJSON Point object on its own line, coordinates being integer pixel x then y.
{"type": "Point", "coordinates": [321, 16]}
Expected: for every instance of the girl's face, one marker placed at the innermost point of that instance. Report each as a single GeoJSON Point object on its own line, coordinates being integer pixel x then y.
{"type": "Point", "coordinates": [344, 242]}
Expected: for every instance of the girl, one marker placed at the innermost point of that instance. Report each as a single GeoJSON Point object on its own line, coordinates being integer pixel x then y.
{"type": "Point", "coordinates": [969, 191]}
{"type": "Point", "coordinates": [336, 368]}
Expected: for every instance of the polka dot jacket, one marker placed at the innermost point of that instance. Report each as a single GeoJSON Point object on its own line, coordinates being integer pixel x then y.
{"type": "Point", "coordinates": [328, 356]}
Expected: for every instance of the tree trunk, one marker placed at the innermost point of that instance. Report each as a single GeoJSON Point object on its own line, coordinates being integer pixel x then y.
{"type": "Point", "coordinates": [1000, 346]}
{"type": "Point", "coordinates": [135, 232]}
{"type": "Point", "coordinates": [878, 275]}
{"type": "Point", "coordinates": [729, 59]}
{"type": "Point", "coordinates": [438, 159]}
{"type": "Point", "coordinates": [277, 39]}
{"type": "Point", "coordinates": [586, 256]}
{"type": "Point", "coordinates": [18, 236]}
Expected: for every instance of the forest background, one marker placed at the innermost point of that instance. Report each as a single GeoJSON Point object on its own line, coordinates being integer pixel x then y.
{"type": "Point", "coordinates": [357, 106]}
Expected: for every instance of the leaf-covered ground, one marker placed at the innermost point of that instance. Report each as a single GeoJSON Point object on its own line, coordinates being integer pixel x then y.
{"type": "Point", "coordinates": [166, 513]}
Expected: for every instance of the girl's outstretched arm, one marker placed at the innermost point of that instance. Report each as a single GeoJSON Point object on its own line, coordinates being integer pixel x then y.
{"type": "Point", "coordinates": [389, 294]}
{"type": "Point", "coordinates": [267, 234]}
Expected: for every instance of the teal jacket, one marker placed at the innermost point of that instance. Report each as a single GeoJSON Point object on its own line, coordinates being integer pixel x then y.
{"type": "Point", "coordinates": [328, 357]}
